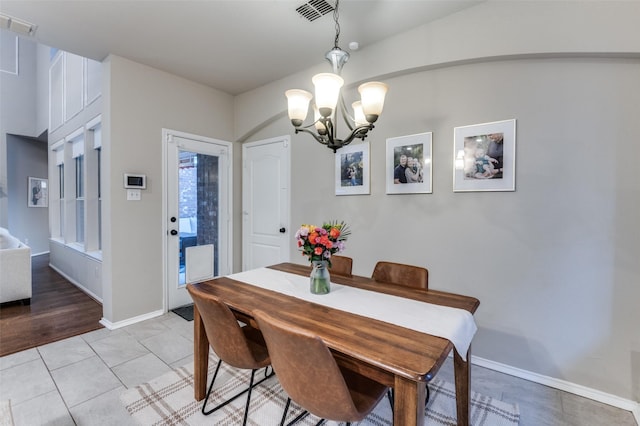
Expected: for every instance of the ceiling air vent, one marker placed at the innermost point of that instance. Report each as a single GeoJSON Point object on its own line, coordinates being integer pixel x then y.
{"type": "Point", "coordinates": [314, 9]}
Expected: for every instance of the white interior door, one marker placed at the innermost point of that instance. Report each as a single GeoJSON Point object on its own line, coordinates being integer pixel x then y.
{"type": "Point", "coordinates": [266, 237]}
{"type": "Point", "coordinates": [198, 210]}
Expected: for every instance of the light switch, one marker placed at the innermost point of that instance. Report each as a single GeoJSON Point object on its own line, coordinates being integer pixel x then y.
{"type": "Point", "coordinates": [133, 195]}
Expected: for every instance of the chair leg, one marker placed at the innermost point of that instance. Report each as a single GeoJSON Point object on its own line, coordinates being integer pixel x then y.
{"type": "Point", "coordinates": [286, 410]}
{"type": "Point", "coordinates": [300, 417]}
{"type": "Point", "coordinates": [426, 400]}
{"type": "Point", "coordinates": [204, 404]}
{"type": "Point", "coordinates": [206, 413]}
{"type": "Point", "coordinates": [246, 407]}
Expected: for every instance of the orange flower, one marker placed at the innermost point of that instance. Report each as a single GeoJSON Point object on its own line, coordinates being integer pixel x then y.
{"type": "Point", "coordinates": [334, 233]}
{"type": "Point", "coordinates": [312, 237]}
{"type": "Point", "coordinates": [318, 251]}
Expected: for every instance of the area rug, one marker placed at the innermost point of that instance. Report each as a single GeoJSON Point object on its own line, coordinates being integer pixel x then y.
{"type": "Point", "coordinates": [185, 312]}
{"type": "Point", "coordinates": [168, 400]}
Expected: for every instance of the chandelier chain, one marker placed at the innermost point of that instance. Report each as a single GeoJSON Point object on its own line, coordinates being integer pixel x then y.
{"type": "Point", "coordinates": [336, 15]}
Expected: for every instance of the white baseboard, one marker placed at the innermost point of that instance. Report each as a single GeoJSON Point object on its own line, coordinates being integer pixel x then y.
{"type": "Point", "coordinates": [77, 284]}
{"type": "Point", "coordinates": [596, 395]}
{"type": "Point", "coordinates": [113, 326]}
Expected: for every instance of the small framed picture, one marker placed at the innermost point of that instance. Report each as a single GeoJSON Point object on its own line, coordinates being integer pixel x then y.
{"type": "Point", "coordinates": [38, 192]}
{"type": "Point", "coordinates": [352, 169]}
{"type": "Point", "coordinates": [485, 157]}
{"type": "Point", "coordinates": [409, 164]}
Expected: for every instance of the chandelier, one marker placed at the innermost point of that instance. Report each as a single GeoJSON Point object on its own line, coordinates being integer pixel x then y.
{"type": "Point", "coordinates": [329, 99]}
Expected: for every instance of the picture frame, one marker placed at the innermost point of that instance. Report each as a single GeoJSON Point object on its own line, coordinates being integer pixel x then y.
{"type": "Point", "coordinates": [485, 157]}
{"type": "Point", "coordinates": [352, 170]}
{"type": "Point", "coordinates": [38, 192]}
{"type": "Point", "coordinates": [410, 156]}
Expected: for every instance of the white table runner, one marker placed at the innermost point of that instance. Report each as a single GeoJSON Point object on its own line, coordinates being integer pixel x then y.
{"type": "Point", "coordinates": [454, 324]}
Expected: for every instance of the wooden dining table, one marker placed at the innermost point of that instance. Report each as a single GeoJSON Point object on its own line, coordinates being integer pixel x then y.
{"type": "Point", "coordinates": [399, 357]}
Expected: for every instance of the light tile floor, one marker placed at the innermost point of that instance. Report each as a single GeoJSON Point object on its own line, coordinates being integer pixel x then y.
{"type": "Point", "coordinates": [78, 381]}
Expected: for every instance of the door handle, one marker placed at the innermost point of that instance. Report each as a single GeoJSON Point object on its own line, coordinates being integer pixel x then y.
{"type": "Point", "coordinates": [282, 230]}
{"type": "Point", "coordinates": [173, 232]}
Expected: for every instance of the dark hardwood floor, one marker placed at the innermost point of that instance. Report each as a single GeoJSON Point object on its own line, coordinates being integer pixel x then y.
{"type": "Point", "coordinates": [58, 310]}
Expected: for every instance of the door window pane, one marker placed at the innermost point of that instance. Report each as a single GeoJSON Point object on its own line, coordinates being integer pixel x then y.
{"type": "Point", "coordinates": [198, 204]}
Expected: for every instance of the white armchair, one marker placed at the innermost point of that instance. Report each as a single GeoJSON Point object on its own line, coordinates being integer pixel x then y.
{"type": "Point", "coordinates": [15, 269]}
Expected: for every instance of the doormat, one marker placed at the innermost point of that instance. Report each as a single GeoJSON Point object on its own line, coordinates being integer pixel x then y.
{"type": "Point", "coordinates": [185, 312]}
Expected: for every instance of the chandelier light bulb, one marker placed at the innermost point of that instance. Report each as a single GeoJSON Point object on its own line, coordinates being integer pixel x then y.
{"type": "Point", "coordinates": [298, 102]}
{"type": "Point", "coordinates": [328, 87]}
{"type": "Point", "coordinates": [372, 96]}
{"type": "Point", "coordinates": [358, 114]}
{"type": "Point", "coordinates": [321, 127]}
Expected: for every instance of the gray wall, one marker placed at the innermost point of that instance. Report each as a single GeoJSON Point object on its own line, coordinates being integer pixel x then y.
{"type": "Point", "coordinates": [554, 263]}
{"type": "Point", "coordinates": [17, 110]}
{"type": "Point", "coordinates": [138, 103]}
{"type": "Point", "coordinates": [28, 158]}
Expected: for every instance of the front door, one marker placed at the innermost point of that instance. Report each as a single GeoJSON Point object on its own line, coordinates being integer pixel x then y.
{"type": "Point", "coordinates": [198, 188]}
{"type": "Point", "coordinates": [266, 237]}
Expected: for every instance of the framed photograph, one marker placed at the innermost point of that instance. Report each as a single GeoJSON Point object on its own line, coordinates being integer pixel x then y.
{"type": "Point", "coordinates": [485, 157]}
{"type": "Point", "coordinates": [38, 192]}
{"type": "Point", "coordinates": [409, 164]}
{"type": "Point", "coordinates": [352, 169]}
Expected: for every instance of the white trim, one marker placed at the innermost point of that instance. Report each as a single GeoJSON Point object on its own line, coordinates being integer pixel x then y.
{"type": "Point", "coordinates": [58, 145]}
{"type": "Point", "coordinates": [115, 325]}
{"type": "Point", "coordinates": [594, 394]}
{"type": "Point", "coordinates": [17, 59]}
{"type": "Point", "coordinates": [94, 122]}
{"type": "Point", "coordinates": [75, 134]}
{"type": "Point", "coordinates": [227, 151]}
{"type": "Point", "coordinates": [56, 61]}
{"type": "Point", "coordinates": [77, 284]}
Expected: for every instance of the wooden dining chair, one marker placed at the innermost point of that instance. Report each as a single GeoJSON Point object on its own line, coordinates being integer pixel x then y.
{"type": "Point", "coordinates": [311, 377]}
{"type": "Point", "coordinates": [239, 346]}
{"type": "Point", "coordinates": [401, 274]}
{"type": "Point", "coordinates": [341, 265]}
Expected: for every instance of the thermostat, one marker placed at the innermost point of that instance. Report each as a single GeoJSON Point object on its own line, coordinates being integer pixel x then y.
{"type": "Point", "coordinates": [135, 181]}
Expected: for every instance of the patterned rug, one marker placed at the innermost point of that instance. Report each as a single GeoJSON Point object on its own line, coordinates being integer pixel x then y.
{"type": "Point", "coordinates": [168, 400]}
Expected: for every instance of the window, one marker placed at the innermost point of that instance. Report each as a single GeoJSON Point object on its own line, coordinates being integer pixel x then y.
{"type": "Point", "coordinates": [79, 199]}
{"type": "Point", "coordinates": [61, 199]}
{"type": "Point", "coordinates": [77, 175]}
{"type": "Point", "coordinates": [93, 187]}
{"type": "Point", "coordinates": [99, 168]}
{"type": "Point", "coordinates": [56, 191]}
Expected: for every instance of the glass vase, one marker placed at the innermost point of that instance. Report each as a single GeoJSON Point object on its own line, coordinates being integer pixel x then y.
{"type": "Point", "coordinates": [320, 279]}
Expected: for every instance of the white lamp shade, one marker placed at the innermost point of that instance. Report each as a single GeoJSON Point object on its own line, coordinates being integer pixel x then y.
{"type": "Point", "coordinates": [327, 91]}
{"type": "Point", "coordinates": [358, 114]}
{"type": "Point", "coordinates": [372, 96]}
{"type": "Point", "coordinates": [298, 101]}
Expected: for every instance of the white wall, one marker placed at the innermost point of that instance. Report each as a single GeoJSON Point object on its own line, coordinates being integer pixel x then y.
{"type": "Point", "coordinates": [554, 263]}
{"type": "Point", "coordinates": [139, 102]}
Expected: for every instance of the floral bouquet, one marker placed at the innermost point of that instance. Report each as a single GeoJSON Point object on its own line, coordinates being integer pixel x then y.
{"type": "Point", "coordinates": [320, 242]}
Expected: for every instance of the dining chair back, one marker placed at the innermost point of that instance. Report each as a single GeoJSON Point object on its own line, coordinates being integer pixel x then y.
{"type": "Point", "coordinates": [401, 274]}
{"type": "Point", "coordinates": [311, 377]}
{"type": "Point", "coordinates": [239, 346]}
{"type": "Point", "coordinates": [341, 265]}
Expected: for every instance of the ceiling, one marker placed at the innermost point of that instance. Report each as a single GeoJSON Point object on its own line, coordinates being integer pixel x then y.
{"type": "Point", "coordinates": [231, 45]}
